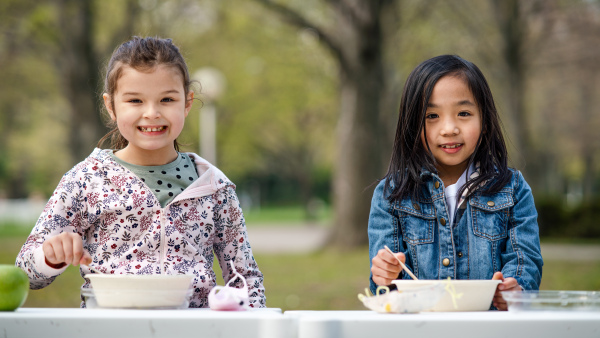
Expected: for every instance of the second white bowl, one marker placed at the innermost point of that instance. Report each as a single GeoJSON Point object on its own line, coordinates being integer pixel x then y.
{"type": "Point", "coordinates": [460, 295]}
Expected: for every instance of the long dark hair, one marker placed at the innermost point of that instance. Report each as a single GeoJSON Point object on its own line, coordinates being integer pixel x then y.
{"type": "Point", "coordinates": [141, 54]}
{"type": "Point", "coordinates": [410, 157]}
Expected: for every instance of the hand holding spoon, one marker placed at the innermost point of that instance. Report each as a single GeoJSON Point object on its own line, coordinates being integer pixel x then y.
{"type": "Point", "coordinates": [404, 267]}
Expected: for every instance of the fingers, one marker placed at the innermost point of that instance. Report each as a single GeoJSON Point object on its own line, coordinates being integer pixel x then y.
{"type": "Point", "coordinates": [385, 267]}
{"type": "Point", "coordinates": [76, 250]}
{"type": "Point", "coordinates": [65, 248]}
{"type": "Point", "coordinates": [498, 276]}
{"type": "Point", "coordinates": [85, 259]}
{"type": "Point", "coordinates": [50, 252]}
{"type": "Point", "coordinates": [508, 284]}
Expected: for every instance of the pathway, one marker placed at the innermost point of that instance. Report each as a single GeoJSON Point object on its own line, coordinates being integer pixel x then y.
{"type": "Point", "coordinates": [305, 239]}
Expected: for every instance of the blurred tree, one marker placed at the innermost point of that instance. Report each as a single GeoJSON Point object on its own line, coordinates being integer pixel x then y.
{"type": "Point", "coordinates": [569, 74]}
{"type": "Point", "coordinates": [78, 62]}
{"type": "Point", "coordinates": [510, 52]}
{"type": "Point", "coordinates": [51, 51]}
{"type": "Point", "coordinates": [276, 115]}
{"type": "Point", "coordinates": [356, 42]}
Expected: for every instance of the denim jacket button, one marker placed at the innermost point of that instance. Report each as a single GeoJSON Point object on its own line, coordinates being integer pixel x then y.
{"type": "Point", "coordinates": [442, 221]}
{"type": "Point", "coordinates": [416, 206]}
{"type": "Point", "coordinates": [436, 184]}
{"type": "Point", "coordinates": [459, 254]}
{"type": "Point", "coordinates": [491, 203]}
{"type": "Point", "coordinates": [446, 261]}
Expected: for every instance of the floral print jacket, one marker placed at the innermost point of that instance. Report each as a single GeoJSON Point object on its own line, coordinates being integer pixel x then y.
{"type": "Point", "coordinates": [126, 231]}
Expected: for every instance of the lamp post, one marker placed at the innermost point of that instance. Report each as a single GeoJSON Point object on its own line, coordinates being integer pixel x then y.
{"type": "Point", "coordinates": [212, 86]}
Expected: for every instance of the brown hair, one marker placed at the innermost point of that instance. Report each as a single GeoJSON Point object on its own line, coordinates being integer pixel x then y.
{"type": "Point", "coordinates": [141, 54]}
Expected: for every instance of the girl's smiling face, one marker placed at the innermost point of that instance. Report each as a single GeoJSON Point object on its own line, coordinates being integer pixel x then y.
{"type": "Point", "coordinates": [150, 108]}
{"type": "Point", "coordinates": [452, 126]}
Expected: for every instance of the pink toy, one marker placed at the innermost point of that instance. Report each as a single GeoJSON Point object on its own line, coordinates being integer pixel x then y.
{"type": "Point", "coordinates": [229, 298]}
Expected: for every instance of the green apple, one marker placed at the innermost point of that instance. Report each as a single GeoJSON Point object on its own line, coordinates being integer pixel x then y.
{"type": "Point", "coordinates": [14, 286]}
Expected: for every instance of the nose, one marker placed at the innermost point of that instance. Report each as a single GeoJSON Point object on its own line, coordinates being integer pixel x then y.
{"type": "Point", "coordinates": [151, 112]}
{"type": "Point", "coordinates": [449, 128]}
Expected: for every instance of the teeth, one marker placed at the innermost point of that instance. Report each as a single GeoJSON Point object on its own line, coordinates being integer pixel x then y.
{"type": "Point", "coordinates": [144, 129]}
{"type": "Point", "coordinates": [452, 146]}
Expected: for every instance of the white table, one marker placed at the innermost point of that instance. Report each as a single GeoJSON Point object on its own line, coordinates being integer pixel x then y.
{"type": "Point", "coordinates": [113, 323]}
{"type": "Point", "coordinates": [488, 324]}
{"type": "Point", "coordinates": [271, 323]}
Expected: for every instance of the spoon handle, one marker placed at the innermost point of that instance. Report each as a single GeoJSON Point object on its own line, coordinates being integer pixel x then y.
{"type": "Point", "coordinates": [404, 267]}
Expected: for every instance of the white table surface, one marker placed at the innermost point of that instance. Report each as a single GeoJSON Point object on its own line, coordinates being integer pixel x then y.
{"type": "Point", "coordinates": [114, 323]}
{"type": "Point", "coordinates": [488, 324]}
{"type": "Point", "coordinates": [271, 323]}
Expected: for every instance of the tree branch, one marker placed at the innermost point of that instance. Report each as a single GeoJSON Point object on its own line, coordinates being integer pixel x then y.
{"type": "Point", "coordinates": [294, 18]}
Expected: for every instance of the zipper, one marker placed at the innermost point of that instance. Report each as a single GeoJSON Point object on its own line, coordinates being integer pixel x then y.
{"type": "Point", "coordinates": [161, 250]}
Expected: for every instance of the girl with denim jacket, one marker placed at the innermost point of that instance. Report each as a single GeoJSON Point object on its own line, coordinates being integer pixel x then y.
{"type": "Point", "coordinates": [449, 205]}
{"type": "Point", "coordinates": [143, 207]}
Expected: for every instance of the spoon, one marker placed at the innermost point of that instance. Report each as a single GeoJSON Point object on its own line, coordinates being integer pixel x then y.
{"type": "Point", "coordinates": [404, 267]}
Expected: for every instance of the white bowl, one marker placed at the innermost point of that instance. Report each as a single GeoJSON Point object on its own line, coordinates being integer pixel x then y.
{"type": "Point", "coordinates": [139, 291]}
{"type": "Point", "coordinates": [460, 295]}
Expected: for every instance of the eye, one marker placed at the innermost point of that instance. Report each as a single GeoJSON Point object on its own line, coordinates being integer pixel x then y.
{"type": "Point", "coordinates": [167, 99]}
{"type": "Point", "coordinates": [135, 101]}
{"type": "Point", "coordinates": [464, 113]}
{"type": "Point", "coordinates": [431, 116]}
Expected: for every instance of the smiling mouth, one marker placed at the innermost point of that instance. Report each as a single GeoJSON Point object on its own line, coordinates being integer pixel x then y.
{"type": "Point", "coordinates": [144, 129]}
{"type": "Point", "coordinates": [453, 146]}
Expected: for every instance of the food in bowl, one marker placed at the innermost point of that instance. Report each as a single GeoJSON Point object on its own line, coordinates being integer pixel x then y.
{"type": "Point", "coordinates": [409, 301]}
{"type": "Point", "coordinates": [460, 295]}
{"type": "Point", "coordinates": [139, 291]}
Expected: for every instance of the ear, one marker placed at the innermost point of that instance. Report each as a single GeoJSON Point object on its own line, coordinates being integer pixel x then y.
{"type": "Point", "coordinates": [188, 103]}
{"type": "Point", "coordinates": [108, 105]}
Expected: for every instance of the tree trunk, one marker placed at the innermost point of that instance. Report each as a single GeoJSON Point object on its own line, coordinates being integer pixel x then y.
{"type": "Point", "coordinates": [79, 69]}
{"type": "Point", "coordinates": [358, 162]}
{"type": "Point", "coordinates": [510, 19]}
{"type": "Point", "coordinates": [357, 45]}
{"type": "Point", "coordinates": [359, 134]}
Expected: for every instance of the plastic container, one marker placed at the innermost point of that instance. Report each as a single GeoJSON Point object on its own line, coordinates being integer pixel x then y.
{"type": "Point", "coordinates": [552, 300]}
{"type": "Point", "coordinates": [409, 301]}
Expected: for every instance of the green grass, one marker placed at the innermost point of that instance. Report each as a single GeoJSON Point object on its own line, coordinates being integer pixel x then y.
{"type": "Point", "coordinates": [282, 216]}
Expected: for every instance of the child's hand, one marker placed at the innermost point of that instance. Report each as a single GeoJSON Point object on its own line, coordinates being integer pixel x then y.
{"type": "Point", "coordinates": [508, 284]}
{"type": "Point", "coordinates": [65, 249]}
{"type": "Point", "coordinates": [385, 267]}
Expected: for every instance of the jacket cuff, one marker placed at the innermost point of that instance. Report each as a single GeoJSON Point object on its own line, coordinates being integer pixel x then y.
{"type": "Point", "coordinates": [39, 260]}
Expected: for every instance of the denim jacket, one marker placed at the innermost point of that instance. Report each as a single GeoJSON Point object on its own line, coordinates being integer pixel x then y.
{"type": "Point", "coordinates": [490, 233]}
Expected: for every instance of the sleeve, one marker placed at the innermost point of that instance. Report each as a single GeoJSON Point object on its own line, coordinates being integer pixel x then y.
{"type": "Point", "coordinates": [522, 258]}
{"type": "Point", "coordinates": [383, 228]}
{"type": "Point", "coordinates": [235, 246]}
{"type": "Point", "coordinates": [63, 212]}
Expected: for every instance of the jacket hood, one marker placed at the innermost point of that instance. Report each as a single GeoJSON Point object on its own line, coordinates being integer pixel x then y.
{"type": "Point", "coordinates": [210, 178]}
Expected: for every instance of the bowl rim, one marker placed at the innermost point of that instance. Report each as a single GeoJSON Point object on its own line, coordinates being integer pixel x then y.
{"type": "Point", "coordinates": [90, 292]}
{"type": "Point", "coordinates": [134, 276]}
{"type": "Point", "coordinates": [453, 281]}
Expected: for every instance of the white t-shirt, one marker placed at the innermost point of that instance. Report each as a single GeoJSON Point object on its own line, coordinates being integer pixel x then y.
{"type": "Point", "coordinates": [452, 191]}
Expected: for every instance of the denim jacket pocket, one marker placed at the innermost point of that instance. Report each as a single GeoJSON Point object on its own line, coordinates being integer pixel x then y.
{"type": "Point", "coordinates": [417, 222]}
{"type": "Point", "coordinates": [491, 214]}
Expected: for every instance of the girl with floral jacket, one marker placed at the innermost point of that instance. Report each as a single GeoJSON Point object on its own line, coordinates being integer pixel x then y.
{"type": "Point", "coordinates": [144, 207]}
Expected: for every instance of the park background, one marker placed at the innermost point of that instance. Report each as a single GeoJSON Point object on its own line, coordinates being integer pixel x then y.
{"type": "Point", "coordinates": [298, 106]}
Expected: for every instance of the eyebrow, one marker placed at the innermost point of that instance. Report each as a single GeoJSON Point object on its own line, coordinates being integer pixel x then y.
{"type": "Point", "coordinates": [459, 103]}
{"type": "Point", "coordinates": [172, 91]}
